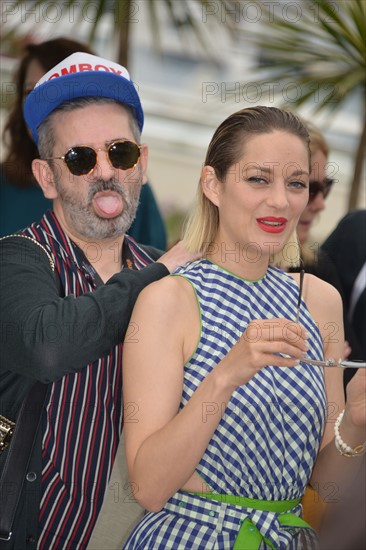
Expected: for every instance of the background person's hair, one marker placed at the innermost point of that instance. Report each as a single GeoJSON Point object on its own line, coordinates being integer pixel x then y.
{"type": "Point", "coordinates": [224, 151]}
{"type": "Point", "coordinates": [310, 250]}
{"type": "Point", "coordinates": [317, 139]}
{"type": "Point", "coordinates": [21, 149]}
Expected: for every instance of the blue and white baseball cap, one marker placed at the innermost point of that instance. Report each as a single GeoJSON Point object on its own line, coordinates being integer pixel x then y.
{"type": "Point", "coordinates": [80, 75]}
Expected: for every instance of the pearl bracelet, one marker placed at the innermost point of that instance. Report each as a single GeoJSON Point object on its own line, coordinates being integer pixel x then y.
{"type": "Point", "coordinates": [342, 447]}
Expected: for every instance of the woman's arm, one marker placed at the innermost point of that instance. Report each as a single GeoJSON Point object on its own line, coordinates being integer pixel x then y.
{"type": "Point", "coordinates": [165, 444]}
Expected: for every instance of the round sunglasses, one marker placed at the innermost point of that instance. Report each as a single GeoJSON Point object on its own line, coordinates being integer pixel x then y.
{"type": "Point", "coordinates": [81, 159]}
{"type": "Point", "coordinates": [323, 187]}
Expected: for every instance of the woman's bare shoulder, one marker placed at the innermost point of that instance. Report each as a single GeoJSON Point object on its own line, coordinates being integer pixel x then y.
{"type": "Point", "coordinates": [322, 299]}
{"type": "Point", "coordinates": [168, 296]}
{"type": "Point", "coordinates": [315, 288]}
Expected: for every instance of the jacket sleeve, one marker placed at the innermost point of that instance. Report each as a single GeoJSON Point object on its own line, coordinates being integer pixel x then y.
{"type": "Point", "coordinates": [44, 336]}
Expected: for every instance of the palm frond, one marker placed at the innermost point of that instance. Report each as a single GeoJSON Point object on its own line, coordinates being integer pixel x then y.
{"type": "Point", "coordinates": [323, 53]}
{"type": "Point", "coordinates": [328, 49]}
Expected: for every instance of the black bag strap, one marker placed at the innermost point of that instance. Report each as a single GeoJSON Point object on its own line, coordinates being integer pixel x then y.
{"type": "Point", "coordinates": [18, 456]}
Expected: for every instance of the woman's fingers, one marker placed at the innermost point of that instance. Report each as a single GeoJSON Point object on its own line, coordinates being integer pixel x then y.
{"type": "Point", "coordinates": [276, 331]}
{"type": "Point", "coordinates": [277, 342]}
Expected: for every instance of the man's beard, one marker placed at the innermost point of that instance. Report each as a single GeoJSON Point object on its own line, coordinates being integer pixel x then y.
{"type": "Point", "coordinates": [84, 218]}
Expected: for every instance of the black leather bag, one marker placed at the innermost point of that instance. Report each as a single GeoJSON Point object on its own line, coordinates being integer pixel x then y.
{"type": "Point", "coordinates": [18, 453]}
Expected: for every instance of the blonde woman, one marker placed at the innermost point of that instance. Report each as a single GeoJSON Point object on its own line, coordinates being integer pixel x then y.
{"type": "Point", "coordinates": [228, 421]}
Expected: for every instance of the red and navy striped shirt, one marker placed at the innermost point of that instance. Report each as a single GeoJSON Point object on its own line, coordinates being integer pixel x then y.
{"type": "Point", "coordinates": [82, 421]}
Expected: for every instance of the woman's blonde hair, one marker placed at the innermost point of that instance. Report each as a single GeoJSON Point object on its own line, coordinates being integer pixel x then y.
{"type": "Point", "coordinates": [226, 149]}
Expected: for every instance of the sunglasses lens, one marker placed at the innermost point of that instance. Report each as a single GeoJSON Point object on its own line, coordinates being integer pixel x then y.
{"type": "Point", "coordinates": [124, 154]}
{"type": "Point", "coordinates": [80, 160]}
{"type": "Point", "coordinates": [328, 182]}
{"type": "Point", "coordinates": [316, 187]}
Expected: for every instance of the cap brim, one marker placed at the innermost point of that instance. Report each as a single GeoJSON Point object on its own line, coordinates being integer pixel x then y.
{"type": "Point", "coordinates": [46, 97]}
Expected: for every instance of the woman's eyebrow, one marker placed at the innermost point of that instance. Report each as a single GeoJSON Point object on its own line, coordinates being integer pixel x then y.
{"type": "Point", "coordinates": [300, 173]}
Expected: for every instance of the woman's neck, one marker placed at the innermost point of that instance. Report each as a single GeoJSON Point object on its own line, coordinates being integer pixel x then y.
{"type": "Point", "coordinates": [239, 260]}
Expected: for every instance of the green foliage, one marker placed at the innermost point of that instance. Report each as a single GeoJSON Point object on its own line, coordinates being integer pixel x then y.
{"type": "Point", "coordinates": [182, 15]}
{"type": "Point", "coordinates": [326, 45]}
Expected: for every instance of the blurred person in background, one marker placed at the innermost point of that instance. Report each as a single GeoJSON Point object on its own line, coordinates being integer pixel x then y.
{"type": "Point", "coordinates": [320, 185]}
{"type": "Point", "coordinates": [346, 249]}
{"type": "Point", "coordinates": [314, 259]}
{"type": "Point", "coordinates": [346, 246]}
{"type": "Point", "coordinates": [21, 199]}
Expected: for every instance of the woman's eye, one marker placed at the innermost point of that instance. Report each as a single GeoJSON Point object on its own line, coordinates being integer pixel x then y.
{"type": "Point", "coordinates": [257, 179]}
{"type": "Point", "coordinates": [298, 184]}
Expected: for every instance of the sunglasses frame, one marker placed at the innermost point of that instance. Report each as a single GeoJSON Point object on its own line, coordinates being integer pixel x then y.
{"type": "Point", "coordinates": [321, 187]}
{"type": "Point", "coordinates": [96, 150]}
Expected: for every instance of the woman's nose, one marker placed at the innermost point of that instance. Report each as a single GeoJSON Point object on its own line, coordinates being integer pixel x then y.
{"type": "Point", "coordinates": [278, 197]}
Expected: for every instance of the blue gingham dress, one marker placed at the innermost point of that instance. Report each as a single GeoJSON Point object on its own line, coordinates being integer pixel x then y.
{"type": "Point", "coordinates": [267, 440]}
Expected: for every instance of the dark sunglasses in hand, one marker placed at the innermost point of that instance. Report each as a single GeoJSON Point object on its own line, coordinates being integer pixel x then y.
{"type": "Point", "coordinates": [81, 160]}
{"type": "Point", "coordinates": [323, 187]}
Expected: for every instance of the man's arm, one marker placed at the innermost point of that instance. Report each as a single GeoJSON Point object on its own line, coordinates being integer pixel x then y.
{"type": "Point", "coordinates": [45, 336]}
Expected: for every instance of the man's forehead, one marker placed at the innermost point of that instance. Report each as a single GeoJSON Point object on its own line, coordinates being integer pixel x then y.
{"type": "Point", "coordinates": [80, 127]}
{"type": "Point", "coordinates": [91, 117]}
{"type": "Point", "coordinates": [105, 105]}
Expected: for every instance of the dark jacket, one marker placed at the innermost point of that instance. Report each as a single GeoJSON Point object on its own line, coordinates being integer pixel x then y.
{"type": "Point", "coordinates": [30, 302]}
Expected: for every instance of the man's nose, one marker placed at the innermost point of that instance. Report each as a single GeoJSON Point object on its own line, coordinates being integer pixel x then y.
{"type": "Point", "coordinates": [103, 167]}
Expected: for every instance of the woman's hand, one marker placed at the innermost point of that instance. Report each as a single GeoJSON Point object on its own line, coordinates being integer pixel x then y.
{"type": "Point", "coordinates": [261, 344]}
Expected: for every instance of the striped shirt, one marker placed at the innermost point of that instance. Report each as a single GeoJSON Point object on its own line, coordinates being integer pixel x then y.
{"type": "Point", "coordinates": [82, 420]}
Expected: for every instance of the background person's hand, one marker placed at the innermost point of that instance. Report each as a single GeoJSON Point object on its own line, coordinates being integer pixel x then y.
{"type": "Point", "coordinates": [356, 400]}
{"type": "Point", "coordinates": [347, 350]}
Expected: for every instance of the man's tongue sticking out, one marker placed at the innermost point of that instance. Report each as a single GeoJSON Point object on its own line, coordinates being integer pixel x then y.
{"type": "Point", "coordinates": [108, 204]}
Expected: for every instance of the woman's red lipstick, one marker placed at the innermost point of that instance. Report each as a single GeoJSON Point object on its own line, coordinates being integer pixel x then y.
{"type": "Point", "coordinates": [271, 224]}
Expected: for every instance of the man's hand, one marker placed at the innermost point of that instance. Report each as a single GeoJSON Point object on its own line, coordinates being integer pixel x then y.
{"type": "Point", "coordinates": [178, 256]}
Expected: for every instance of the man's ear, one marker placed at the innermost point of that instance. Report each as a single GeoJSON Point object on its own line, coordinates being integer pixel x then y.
{"type": "Point", "coordinates": [211, 186]}
{"type": "Point", "coordinates": [45, 177]}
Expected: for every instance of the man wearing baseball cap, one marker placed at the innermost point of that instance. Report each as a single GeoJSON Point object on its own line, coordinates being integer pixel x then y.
{"type": "Point", "coordinates": [68, 286]}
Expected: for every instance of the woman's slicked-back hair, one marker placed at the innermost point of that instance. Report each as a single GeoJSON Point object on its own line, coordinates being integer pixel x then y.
{"type": "Point", "coordinates": [226, 148]}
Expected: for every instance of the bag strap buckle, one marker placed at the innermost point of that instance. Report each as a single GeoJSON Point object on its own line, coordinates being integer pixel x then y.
{"type": "Point", "coordinates": [6, 432]}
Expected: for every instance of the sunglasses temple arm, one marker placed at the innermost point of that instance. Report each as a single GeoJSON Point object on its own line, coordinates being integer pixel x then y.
{"type": "Point", "coordinates": [334, 363]}
{"type": "Point", "coordinates": [302, 273]}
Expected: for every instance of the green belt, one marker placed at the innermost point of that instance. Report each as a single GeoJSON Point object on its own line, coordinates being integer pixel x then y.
{"type": "Point", "coordinates": [249, 537]}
